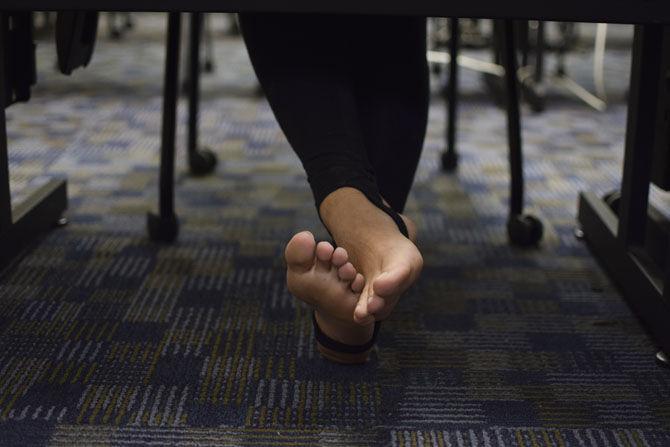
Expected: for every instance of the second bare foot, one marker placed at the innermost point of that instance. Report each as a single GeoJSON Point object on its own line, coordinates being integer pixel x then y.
{"type": "Point", "coordinates": [389, 261]}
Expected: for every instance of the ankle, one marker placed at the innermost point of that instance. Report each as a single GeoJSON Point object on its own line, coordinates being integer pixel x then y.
{"type": "Point", "coordinates": [345, 198]}
{"type": "Point", "coordinates": [347, 211]}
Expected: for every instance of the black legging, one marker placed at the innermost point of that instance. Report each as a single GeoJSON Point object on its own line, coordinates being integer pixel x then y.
{"type": "Point", "coordinates": [351, 95]}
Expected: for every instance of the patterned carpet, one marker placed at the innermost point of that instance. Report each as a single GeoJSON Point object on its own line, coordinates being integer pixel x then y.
{"type": "Point", "coordinates": [109, 339]}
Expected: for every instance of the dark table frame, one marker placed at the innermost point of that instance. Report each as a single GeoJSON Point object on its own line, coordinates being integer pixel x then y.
{"type": "Point", "coordinates": [612, 11]}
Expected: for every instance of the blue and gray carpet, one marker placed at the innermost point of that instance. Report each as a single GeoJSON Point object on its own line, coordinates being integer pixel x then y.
{"type": "Point", "coordinates": [107, 338]}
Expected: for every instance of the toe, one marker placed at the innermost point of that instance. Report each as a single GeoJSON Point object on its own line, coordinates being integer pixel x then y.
{"type": "Point", "coordinates": [358, 283]}
{"type": "Point", "coordinates": [347, 272]}
{"type": "Point", "coordinates": [393, 281]}
{"type": "Point", "coordinates": [361, 314]}
{"type": "Point", "coordinates": [324, 253]}
{"type": "Point", "coordinates": [299, 252]}
{"type": "Point", "coordinates": [340, 257]}
{"type": "Point", "coordinates": [376, 305]}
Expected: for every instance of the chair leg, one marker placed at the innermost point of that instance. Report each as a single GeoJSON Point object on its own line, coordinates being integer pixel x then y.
{"type": "Point", "coordinates": [164, 227]}
{"type": "Point", "coordinates": [522, 229]}
{"type": "Point", "coordinates": [201, 161]}
{"type": "Point", "coordinates": [532, 87]}
{"type": "Point", "coordinates": [450, 156]}
{"type": "Point", "coordinates": [208, 65]}
{"type": "Point", "coordinates": [495, 85]}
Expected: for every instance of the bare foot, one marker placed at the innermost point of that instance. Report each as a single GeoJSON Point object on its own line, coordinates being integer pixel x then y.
{"type": "Point", "coordinates": [323, 277]}
{"type": "Point", "coordinates": [389, 261]}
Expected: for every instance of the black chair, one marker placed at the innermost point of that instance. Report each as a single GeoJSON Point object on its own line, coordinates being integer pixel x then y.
{"type": "Point", "coordinates": [523, 230]}
{"type": "Point", "coordinates": [75, 38]}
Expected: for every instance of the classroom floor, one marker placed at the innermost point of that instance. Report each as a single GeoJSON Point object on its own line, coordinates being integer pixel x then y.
{"type": "Point", "coordinates": [107, 338]}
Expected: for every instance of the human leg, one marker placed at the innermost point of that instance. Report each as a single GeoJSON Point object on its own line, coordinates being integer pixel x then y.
{"type": "Point", "coordinates": [306, 66]}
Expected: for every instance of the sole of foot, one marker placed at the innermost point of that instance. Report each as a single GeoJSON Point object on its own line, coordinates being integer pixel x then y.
{"type": "Point", "coordinates": [323, 277]}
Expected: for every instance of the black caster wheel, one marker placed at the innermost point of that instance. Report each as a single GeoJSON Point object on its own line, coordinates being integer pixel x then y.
{"type": "Point", "coordinates": [663, 359]}
{"type": "Point", "coordinates": [533, 94]}
{"type": "Point", "coordinates": [202, 162]}
{"type": "Point", "coordinates": [208, 67]}
{"type": "Point", "coordinates": [162, 229]}
{"type": "Point", "coordinates": [449, 161]}
{"type": "Point", "coordinates": [524, 230]}
{"type": "Point", "coordinates": [613, 199]}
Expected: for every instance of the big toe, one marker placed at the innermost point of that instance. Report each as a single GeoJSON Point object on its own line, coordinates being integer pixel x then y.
{"type": "Point", "coordinates": [299, 252]}
{"type": "Point", "coordinates": [393, 281]}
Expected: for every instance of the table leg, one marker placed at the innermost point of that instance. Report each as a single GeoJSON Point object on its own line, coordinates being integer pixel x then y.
{"type": "Point", "coordinates": [625, 238]}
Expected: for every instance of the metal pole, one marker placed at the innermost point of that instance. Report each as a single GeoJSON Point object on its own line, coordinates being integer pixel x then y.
{"type": "Point", "coordinates": [513, 116]}
{"type": "Point", "coordinates": [170, 91]}
{"type": "Point", "coordinates": [194, 84]}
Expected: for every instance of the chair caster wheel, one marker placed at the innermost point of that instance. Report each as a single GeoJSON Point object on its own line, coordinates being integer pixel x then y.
{"type": "Point", "coordinates": [202, 162]}
{"type": "Point", "coordinates": [612, 199]}
{"type": "Point", "coordinates": [208, 67]}
{"type": "Point", "coordinates": [449, 161]}
{"type": "Point", "coordinates": [524, 230]}
{"type": "Point", "coordinates": [663, 359]}
{"type": "Point", "coordinates": [162, 229]}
